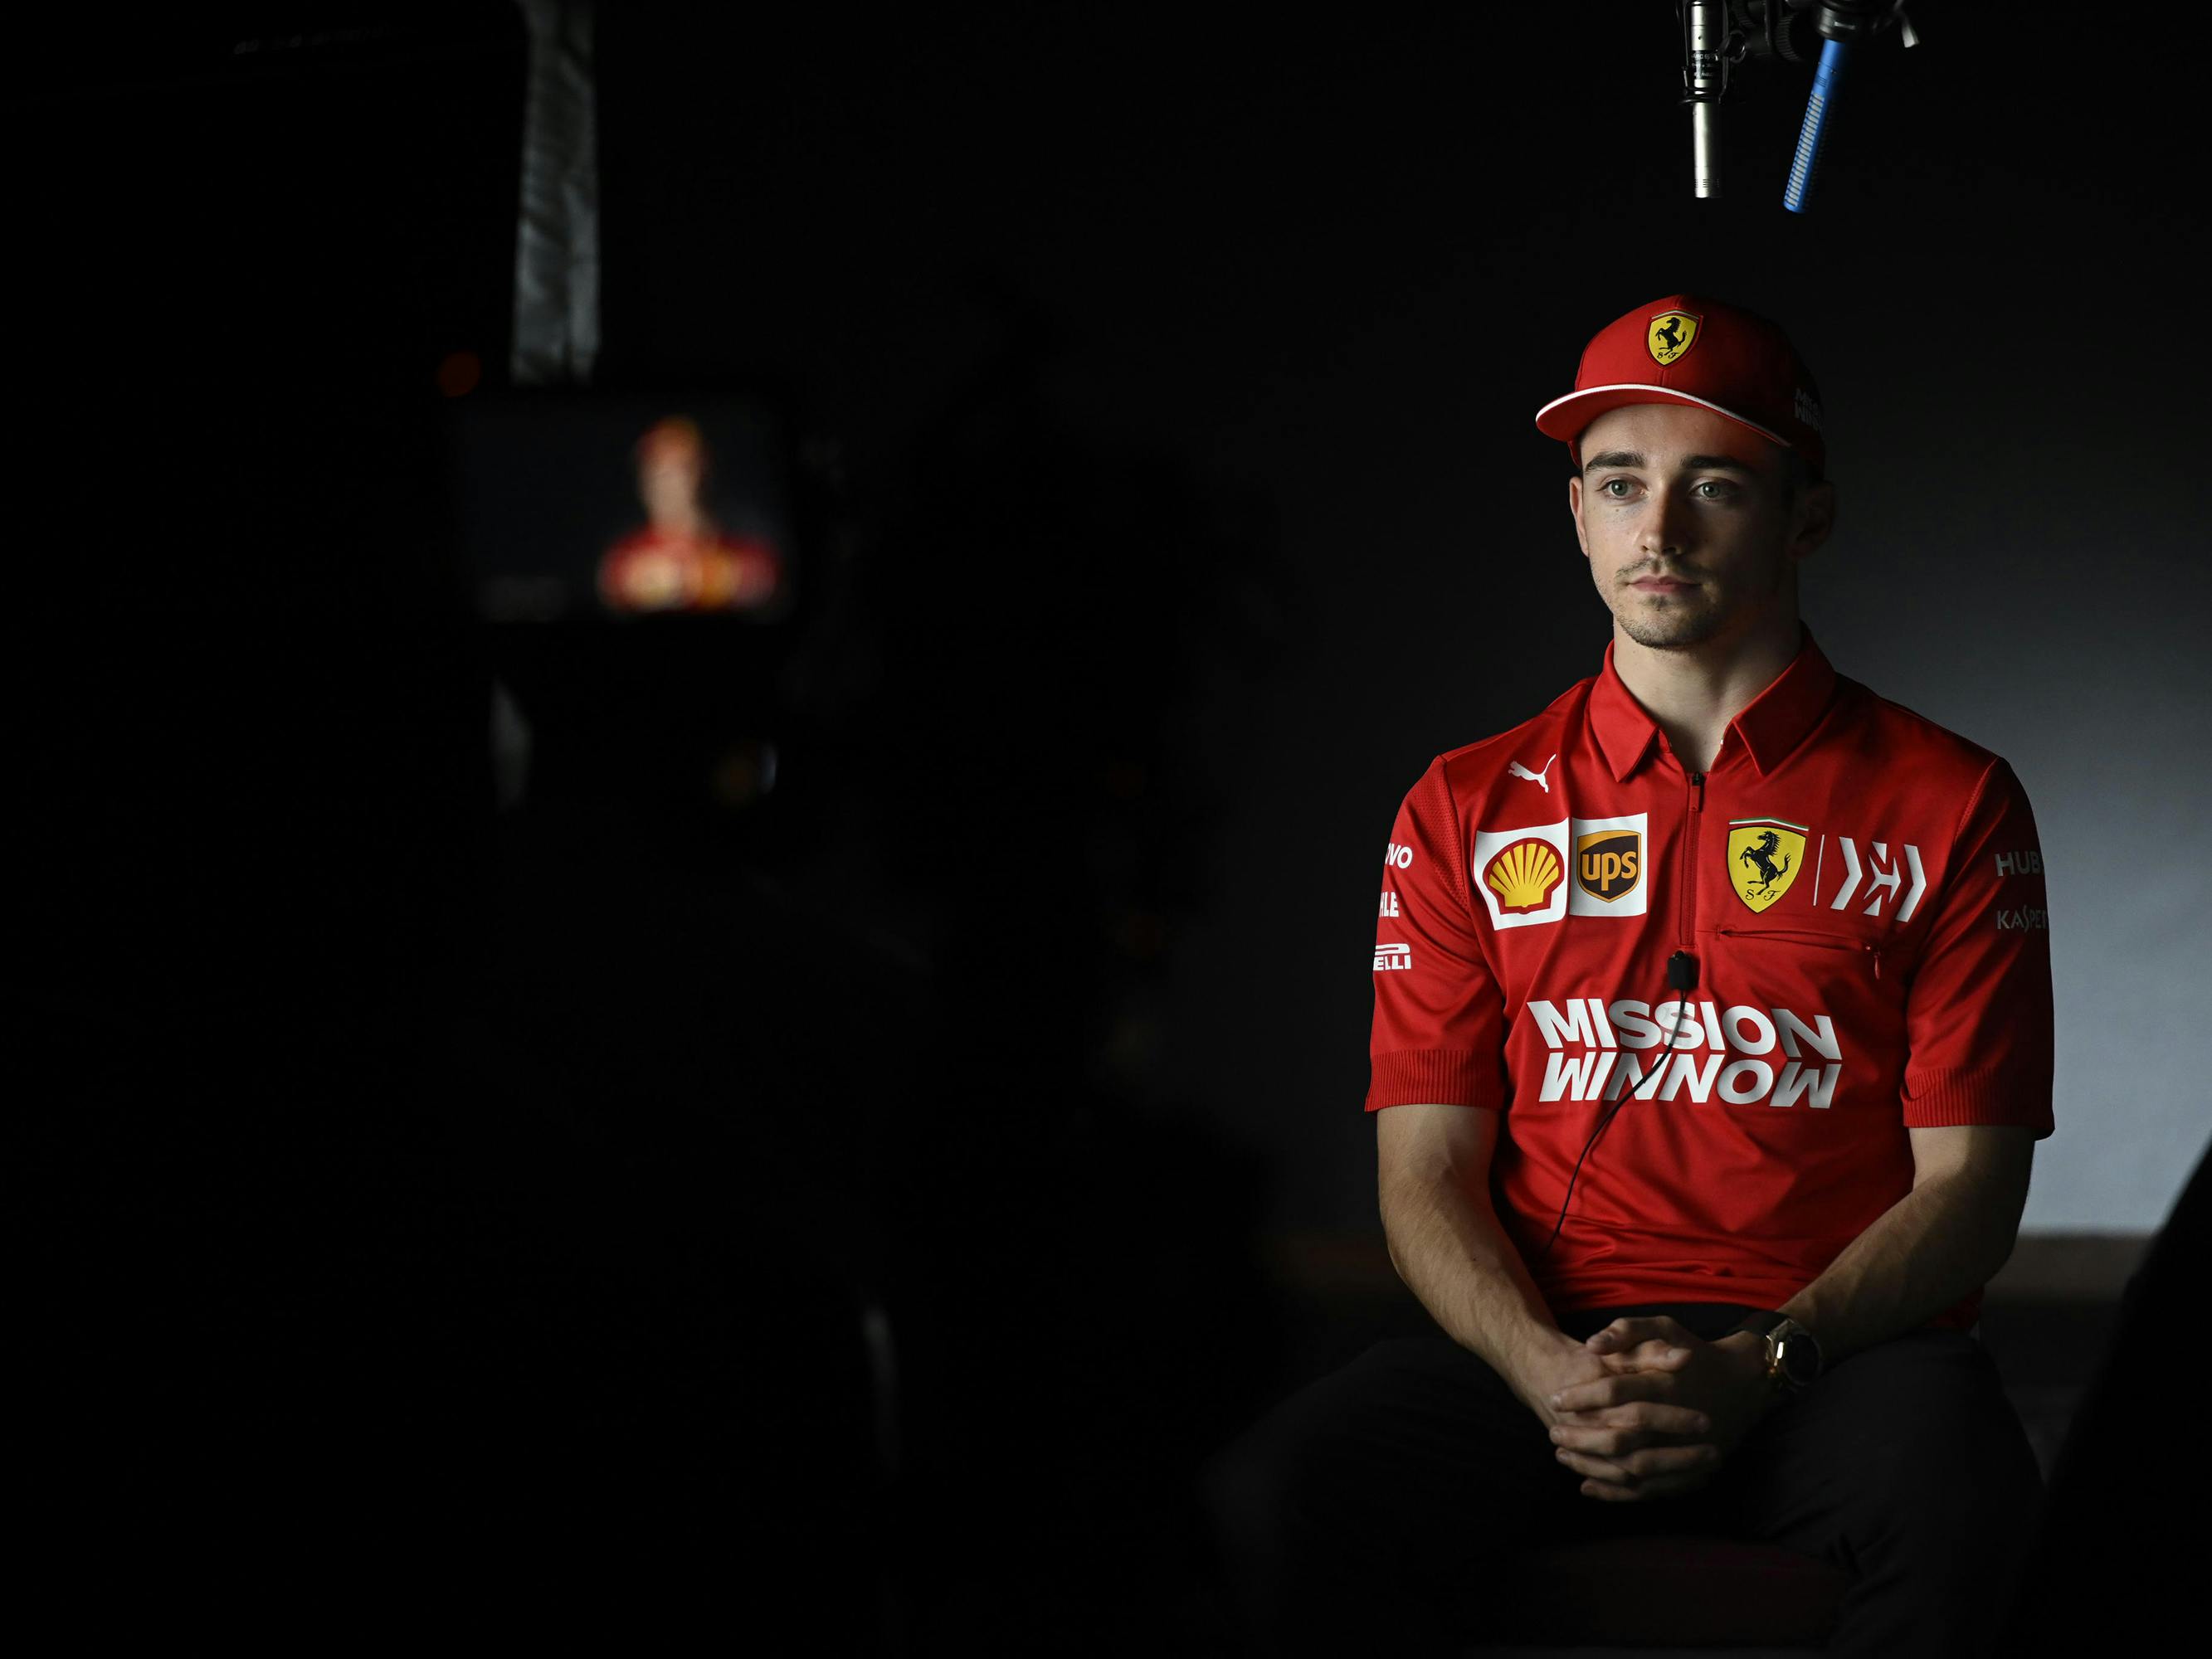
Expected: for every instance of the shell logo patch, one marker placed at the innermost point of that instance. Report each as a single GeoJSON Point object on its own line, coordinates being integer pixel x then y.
{"type": "Point", "coordinates": [1671, 333]}
{"type": "Point", "coordinates": [1522, 874]}
{"type": "Point", "coordinates": [1764, 858]}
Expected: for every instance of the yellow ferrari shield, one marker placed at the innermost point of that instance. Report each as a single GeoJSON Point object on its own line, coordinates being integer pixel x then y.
{"type": "Point", "coordinates": [1763, 857]}
{"type": "Point", "coordinates": [1670, 335]}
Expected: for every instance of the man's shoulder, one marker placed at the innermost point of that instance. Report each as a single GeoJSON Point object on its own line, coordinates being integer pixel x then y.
{"type": "Point", "coordinates": [1928, 755]}
{"type": "Point", "coordinates": [1528, 752]}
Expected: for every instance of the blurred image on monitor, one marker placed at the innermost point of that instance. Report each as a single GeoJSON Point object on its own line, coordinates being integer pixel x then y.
{"type": "Point", "coordinates": [578, 504]}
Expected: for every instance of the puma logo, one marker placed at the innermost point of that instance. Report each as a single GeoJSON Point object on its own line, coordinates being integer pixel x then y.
{"type": "Point", "coordinates": [1521, 771]}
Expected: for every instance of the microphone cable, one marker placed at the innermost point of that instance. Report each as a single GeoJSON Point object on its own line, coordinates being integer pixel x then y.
{"type": "Point", "coordinates": [1681, 978]}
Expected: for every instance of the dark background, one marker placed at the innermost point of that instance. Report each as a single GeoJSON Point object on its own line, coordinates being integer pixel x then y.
{"type": "Point", "coordinates": [421, 1194]}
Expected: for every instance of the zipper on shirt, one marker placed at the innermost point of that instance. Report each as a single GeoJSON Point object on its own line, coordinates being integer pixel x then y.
{"type": "Point", "coordinates": [1694, 803]}
{"type": "Point", "coordinates": [1820, 941]}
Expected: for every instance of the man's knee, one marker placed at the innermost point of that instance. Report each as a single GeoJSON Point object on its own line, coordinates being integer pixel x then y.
{"type": "Point", "coordinates": [1941, 1417]}
{"type": "Point", "coordinates": [1261, 1492]}
{"type": "Point", "coordinates": [1935, 1457]}
{"type": "Point", "coordinates": [1412, 1455]}
{"type": "Point", "coordinates": [1320, 1478]}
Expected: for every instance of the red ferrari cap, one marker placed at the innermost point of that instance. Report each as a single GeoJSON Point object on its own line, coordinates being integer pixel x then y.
{"type": "Point", "coordinates": [1690, 348]}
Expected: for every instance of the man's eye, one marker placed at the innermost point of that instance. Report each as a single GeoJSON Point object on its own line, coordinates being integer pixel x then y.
{"type": "Point", "coordinates": [1720, 491]}
{"type": "Point", "coordinates": [1609, 488]}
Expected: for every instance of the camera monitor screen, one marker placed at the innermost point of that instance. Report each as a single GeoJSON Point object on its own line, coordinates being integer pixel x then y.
{"type": "Point", "coordinates": [578, 504]}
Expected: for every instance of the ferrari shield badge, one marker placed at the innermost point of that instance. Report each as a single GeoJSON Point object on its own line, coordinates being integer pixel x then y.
{"type": "Point", "coordinates": [1765, 855]}
{"type": "Point", "coordinates": [1671, 333]}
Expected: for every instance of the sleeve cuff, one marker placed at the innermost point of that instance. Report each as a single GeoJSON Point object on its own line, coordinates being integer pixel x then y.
{"type": "Point", "coordinates": [1950, 1099]}
{"type": "Point", "coordinates": [1442, 1077]}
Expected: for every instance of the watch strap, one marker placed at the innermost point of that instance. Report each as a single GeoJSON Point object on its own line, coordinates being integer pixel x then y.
{"type": "Point", "coordinates": [1773, 1327]}
{"type": "Point", "coordinates": [1760, 1324]}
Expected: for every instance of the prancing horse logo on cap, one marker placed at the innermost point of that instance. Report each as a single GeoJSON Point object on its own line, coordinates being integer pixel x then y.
{"type": "Point", "coordinates": [1671, 334]}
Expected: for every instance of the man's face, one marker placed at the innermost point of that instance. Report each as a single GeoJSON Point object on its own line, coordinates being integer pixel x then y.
{"type": "Point", "coordinates": [669, 480]}
{"type": "Point", "coordinates": [1685, 519]}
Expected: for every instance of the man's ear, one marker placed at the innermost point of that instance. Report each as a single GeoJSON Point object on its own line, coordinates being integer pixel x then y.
{"type": "Point", "coordinates": [1574, 507]}
{"type": "Point", "coordinates": [1814, 517]}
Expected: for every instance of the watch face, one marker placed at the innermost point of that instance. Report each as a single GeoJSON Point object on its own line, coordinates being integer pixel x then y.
{"type": "Point", "coordinates": [1800, 1356]}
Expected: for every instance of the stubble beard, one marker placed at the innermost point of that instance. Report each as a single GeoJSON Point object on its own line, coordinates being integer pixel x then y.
{"type": "Point", "coordinates": [1676, 622]}
{"type": "Point", "coordinates": [1685, 622]}
{"type": "Point", "coordinates": [1677, 628]}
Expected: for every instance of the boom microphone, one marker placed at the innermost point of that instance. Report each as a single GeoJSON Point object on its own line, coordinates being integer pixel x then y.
{"type": "Point", "coordinates": [1705, 83]}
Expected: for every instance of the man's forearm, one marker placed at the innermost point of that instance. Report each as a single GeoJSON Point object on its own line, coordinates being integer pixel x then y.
{"type": "Point", "coordinates": [1942, 1241]}
{"type": "Point", "coordinates": [1449, 1249]}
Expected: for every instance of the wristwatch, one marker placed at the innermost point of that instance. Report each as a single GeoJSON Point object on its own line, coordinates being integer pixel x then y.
{"type": "Point", "coordinates": [1793, 1360]}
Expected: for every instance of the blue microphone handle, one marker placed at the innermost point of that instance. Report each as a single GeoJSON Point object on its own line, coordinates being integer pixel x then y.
{"type": "Point", "coordinates": [1811, 136]}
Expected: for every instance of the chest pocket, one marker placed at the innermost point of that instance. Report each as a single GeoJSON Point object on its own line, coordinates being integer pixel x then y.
{"type": "Point", "coordinates": [1869, 956]}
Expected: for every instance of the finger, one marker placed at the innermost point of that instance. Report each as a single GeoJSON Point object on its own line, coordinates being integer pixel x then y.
{"type": "Point", "coordinates": [1639, 1455]}
{"type": "Point", "coordinates": [1598, 1468]}
{"type": "Point", "coordinates": [1627, 1333]}
{"type": "Point", "coordinates": [1663, 1462]}
{"type": "Point", "coordinates": [1656, 1420]}
{"type": "Point", "coordinates": [1656, 1490]}
{"type": "Point", "coordinates": [1608, 1440]}
{"type": "Point", "coordinates": [1654, 1355]}
{"type": "Point", "coordinates": [1605, 1493]}
{"type": "Point", "coordinates": [1618, 1389]}
{"type": "Point", "coordinates": [1675, 1420]}
{"type": "Point", "coordinates": [1644, 1491]}
{"type": "Point", "coordinates": [1655, 1487]}
{"type": "Point", "coordinates": [1653, 1417]}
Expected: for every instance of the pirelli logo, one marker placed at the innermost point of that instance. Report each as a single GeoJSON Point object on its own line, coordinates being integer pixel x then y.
{"type": "Point", "coordinates": [1390, 957]}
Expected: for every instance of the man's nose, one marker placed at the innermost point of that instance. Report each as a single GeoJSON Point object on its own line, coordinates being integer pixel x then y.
{"type": "Point", "coordinates": [1668, 527]}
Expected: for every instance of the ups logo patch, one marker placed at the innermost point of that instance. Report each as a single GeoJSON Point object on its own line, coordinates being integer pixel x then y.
{"type": "Point", "coordinates": [1608, 863]}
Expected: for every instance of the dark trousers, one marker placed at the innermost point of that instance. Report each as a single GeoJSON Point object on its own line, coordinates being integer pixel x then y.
{"type": "Point", "coordinates": [1365, 1512]}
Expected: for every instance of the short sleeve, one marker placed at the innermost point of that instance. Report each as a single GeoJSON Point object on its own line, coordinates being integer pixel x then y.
{"type": "Point", "coordinates": [1978, 1014]}
{"type": "Point", "coordinates": [1439, 1015]}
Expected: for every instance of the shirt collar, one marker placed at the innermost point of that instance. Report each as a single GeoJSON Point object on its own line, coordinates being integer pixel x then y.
{"type": "Point", "coordinates": [1768, 727]}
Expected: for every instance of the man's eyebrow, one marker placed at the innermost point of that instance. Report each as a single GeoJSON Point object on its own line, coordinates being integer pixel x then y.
{"type": "Point", "coordinates": [1689, 463]}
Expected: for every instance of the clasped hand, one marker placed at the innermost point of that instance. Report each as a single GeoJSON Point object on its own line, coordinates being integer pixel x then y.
{"type": "Point", "coordinates": [1666, 1409]}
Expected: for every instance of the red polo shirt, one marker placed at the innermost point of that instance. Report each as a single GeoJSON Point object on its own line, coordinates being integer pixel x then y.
{"type": "Point", "coordinates": [1860, 892]}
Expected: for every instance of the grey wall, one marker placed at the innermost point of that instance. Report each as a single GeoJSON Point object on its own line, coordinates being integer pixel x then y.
{"type": "Point", "coordinates": [2073, 641]}
{"type": "Point", "coordinates": [2012, 356]}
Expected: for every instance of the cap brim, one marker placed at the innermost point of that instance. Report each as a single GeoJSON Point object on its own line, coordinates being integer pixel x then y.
{"type": "Point", "coordinates": [1564, 418]}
